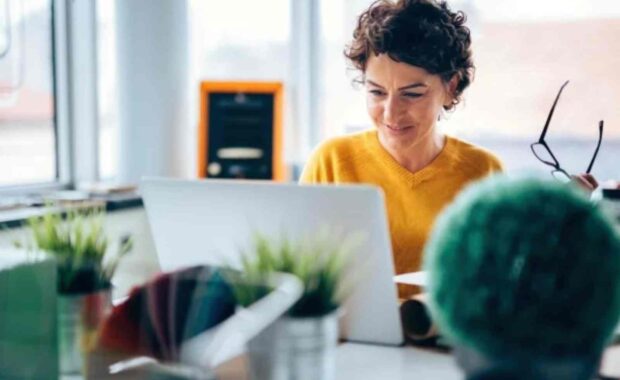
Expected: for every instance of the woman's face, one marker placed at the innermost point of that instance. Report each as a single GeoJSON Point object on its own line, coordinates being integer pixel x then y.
{"type": "Point", "coordinates": [404, 102]}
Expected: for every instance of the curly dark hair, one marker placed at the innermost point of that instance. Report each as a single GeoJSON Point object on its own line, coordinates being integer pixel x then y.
{"type": "Point", "coordinates": [422, 33]}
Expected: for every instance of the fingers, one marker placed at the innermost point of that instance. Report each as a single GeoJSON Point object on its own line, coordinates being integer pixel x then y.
{"type": "Point", "coordinates": [585, 181]}
{"type": "Point", "coordinates": [591, 180]}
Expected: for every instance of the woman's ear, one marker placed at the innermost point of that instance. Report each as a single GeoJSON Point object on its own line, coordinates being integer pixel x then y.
{"type": "Point", "coordinates": [451, 91]}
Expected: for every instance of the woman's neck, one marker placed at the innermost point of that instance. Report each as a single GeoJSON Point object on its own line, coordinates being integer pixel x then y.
{"type": "Point", "coordinates": [419, 155]}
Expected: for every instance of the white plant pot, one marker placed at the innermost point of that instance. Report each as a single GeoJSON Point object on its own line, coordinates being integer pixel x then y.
{"type": "Point", "coordinates": [295, 349]}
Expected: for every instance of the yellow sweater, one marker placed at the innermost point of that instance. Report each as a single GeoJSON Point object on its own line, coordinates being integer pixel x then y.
{"type": "Point", "coordinates": [413, 200]}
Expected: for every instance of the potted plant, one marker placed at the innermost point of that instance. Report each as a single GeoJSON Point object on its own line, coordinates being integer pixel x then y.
{"type": "Point", "coordinates": [78, 242]}
{"type": "Point", "coordinates": [301, 344]}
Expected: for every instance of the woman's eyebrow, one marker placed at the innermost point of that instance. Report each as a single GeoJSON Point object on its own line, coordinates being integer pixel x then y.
{"type": "Point", "coordinates": [413, 85]}
{"type": "Point", "coordinates": [409, 86]}
{"type": "Point", "coordinates": [373, 83]}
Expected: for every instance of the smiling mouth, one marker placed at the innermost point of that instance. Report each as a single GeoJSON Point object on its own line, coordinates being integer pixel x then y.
{"type": "Point", "coordinates": [397, 129]}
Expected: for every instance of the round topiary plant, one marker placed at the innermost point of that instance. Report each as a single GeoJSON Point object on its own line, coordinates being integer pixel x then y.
{"type": "Point", "coordinates": [524, 266]}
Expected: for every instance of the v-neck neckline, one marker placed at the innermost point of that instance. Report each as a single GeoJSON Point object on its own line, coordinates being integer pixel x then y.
{"type": "Point", "coordinates": [412, 177]}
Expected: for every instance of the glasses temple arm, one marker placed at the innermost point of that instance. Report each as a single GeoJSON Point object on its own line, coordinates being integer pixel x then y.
{"type": "Point", "coordinates": [555, 102]}
{"type": "Point", "coordinates": [598, 145]}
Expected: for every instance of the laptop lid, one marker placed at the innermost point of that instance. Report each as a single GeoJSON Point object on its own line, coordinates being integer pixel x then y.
{"type": "Point", "coordinates": [212, 221]}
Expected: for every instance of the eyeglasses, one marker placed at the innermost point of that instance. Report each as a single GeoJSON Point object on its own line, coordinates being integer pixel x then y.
{"type": "Point", "coordinates": [544, 154]}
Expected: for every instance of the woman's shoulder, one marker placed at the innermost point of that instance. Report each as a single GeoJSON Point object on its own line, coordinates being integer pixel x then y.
{"type": "Point", "coordinates": [335, 156]}
{"type": "Point", "coordinates": [474, 155]}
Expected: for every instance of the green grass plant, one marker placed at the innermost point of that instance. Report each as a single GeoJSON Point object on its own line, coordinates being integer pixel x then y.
{"type": "Point", "coordinates": [320, 262]}
{"type": "Point", "coordinates": [78, 242]}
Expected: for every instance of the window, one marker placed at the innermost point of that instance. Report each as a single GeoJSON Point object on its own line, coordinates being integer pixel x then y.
{"type": "Point", "coordinates": [523, 52]}
{"type": "Point", "coordinates": [522, 59]}
{"type": "Point", "coordinates": [107, 90]}
{"type": "Point", "coordinates": [28, 153]}
{"type": "Point", "coordinates": [343, 109]}
{"type": "Point", "coordinates": [230, 43]}
{"type": "Point", "coordinates": [226, 44]}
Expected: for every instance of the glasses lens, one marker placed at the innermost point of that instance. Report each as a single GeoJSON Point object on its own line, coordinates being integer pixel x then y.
{"type": "Point", "coordinates": [542, 153]}
{"type": "Point", "coordinates": [561, 175]}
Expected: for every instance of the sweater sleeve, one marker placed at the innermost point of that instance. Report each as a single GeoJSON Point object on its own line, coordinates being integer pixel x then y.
{"type": "Point", "coordinates": [497, 166]}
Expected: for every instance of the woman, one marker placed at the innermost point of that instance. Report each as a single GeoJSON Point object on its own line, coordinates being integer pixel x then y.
{"type": "Point", "coordinates": [415, 60]}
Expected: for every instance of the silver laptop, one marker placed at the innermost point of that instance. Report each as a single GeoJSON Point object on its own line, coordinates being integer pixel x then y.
{"type": "Point", "coordinates": [213, 221]}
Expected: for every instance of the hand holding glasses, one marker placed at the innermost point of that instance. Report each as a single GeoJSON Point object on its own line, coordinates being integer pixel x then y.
{"type": "Point", "coordinates": [544, 154]}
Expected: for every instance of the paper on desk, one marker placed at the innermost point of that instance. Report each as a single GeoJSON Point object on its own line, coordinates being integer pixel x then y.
{"type": "Point", "coordinates": [412, 278]}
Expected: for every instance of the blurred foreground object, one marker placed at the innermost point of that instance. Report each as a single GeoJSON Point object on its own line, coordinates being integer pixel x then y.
{"type": "Point", "coordinates": [610, 202]}
{"type": "Point", "coordinates": [524, 278]}
{"type": "Point", "coordinates": [28, 340]}
{"type": "Point", "coordinates": [162, 314]}
{"type": "Point", "coordinates": [185, 323]}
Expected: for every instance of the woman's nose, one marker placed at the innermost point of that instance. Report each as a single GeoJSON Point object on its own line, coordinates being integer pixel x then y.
{"type": "Point", "coordinates": [392, 110]}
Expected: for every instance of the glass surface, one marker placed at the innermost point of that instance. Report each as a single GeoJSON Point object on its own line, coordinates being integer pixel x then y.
{"type": "Point", "coordinates": [522, 56]}
{"type": "Point", "coordinates": [225, 44]}
{"type": "Point", "coordinates": [107, 90]}
{"type": "Point", "coordinates": [27, 132]}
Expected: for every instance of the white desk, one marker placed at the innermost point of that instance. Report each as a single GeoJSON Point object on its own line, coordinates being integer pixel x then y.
{"type": "Point", "coordinates": [371, 362]}
{"type": "Point", "coordinates": [361, 361]}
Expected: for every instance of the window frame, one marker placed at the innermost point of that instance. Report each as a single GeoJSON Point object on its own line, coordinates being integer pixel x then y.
{"type": "Point", "coordinates": [76, 149]}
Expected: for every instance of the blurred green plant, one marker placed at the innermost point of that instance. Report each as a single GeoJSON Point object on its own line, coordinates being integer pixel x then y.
{"type": "Point", "coordinates": [321, 263]}
{"type": "Point", "coordinates": [79, 244]}
{"type": "Point", "coordinates": [524, 266]}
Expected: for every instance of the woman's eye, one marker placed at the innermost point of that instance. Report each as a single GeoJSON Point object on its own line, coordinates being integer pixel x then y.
{"type": "Point", "coordinates": [412, 94]}
{"type": "Point", "coordinates": [376, 92]}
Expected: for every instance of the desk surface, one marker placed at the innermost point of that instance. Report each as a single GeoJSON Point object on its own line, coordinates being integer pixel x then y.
{"type": "Point", "coordinates": [364, 361]}
{"type": "Point", "coordinates": [361, 361]}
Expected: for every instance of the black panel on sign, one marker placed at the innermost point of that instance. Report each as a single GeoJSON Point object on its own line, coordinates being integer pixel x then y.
{"type": "Point", "coordinates": [240, 136]}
